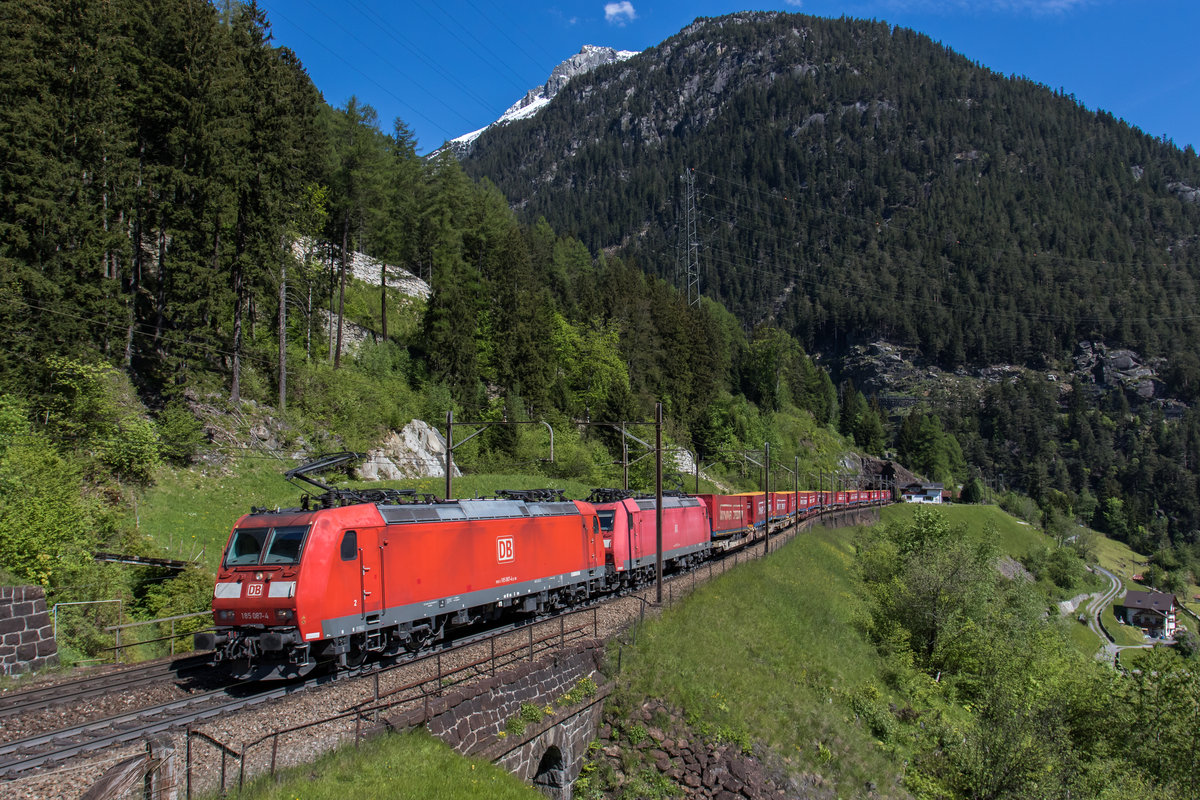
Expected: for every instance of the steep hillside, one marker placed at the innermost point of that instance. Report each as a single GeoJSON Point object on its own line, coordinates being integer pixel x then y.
{"type": "Point", "coordinates": [856, 180]}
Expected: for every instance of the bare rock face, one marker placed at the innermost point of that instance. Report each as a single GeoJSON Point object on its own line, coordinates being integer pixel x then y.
{"type": "Point", "coordinates": [1184, 192]}
{"type": "Point", "coordinates": [1012, 569]}
{"type": "Point", "coordinates": [416, 451]}
{"type": "Point", "coordinates": [1119, 369]}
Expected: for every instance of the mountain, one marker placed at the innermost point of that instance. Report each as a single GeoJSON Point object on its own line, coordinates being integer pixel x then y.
{"type": "Point", "coordinates": [535, 99]}
{"type": "Point", "coordinates": [858, 181]}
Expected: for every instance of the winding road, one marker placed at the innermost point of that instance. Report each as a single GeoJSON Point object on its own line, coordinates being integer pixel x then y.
{"type": "Point", "coordinates": [1095, 608]}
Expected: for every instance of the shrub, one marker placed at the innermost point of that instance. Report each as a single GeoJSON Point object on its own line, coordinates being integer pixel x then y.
{"type": "Point", "coordinates": [1021, 507]}
{"type": "Point", "coordinates": [1187, 643]}
{"type": "Point", "coordinates": [530, 713]}
{"type": "Point", "coordinates": [1065, 568]}
{"type": "Point", "coordinates": [132, 452]}
{"type": "Point", "coordinates": [180, 434]}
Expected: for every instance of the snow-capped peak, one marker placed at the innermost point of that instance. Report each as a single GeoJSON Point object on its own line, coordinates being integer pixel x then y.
{"type": "Point", "coordinates": [535, 99]}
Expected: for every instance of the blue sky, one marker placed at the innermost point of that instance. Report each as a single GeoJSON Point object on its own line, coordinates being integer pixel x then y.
{"type": "Point", "coordinates": [447, 68]}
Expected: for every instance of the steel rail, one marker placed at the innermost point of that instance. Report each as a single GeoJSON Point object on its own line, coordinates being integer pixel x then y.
{"type": "Point", "coordinates": [47, 748]}
{"type": "Point", "coordinates": [35, 698]}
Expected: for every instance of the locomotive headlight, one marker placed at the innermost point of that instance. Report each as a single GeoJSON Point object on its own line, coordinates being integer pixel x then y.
{"type": "Point", "coordinates": [258, 576]}
{"type": "Point", "coordinates": [225, 615]}
{"type": "Point", "coordinates": [284, 614]}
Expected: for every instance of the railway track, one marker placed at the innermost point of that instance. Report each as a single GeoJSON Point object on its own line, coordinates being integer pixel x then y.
{"type": "Point", "coordinates": [56, 746]}
{"type": "Point", "coordinates": [62, 693]}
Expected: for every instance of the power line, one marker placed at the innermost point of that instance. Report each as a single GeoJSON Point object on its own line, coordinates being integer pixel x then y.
{"type": "Point", "coordinates": [379, 85]}
{"type": "Point", "coordinates": [497, 28]}
{"type": "Point", "coordinates": [480, 47]}
{"type": "Point", "coordinates": [411, 47]}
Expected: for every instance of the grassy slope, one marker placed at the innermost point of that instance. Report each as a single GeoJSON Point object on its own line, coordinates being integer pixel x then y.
{"type": "Point", "coordinates": [1012, 536]}
{"type": "Point", "coordinates": [412, 766]}
{"type": "Point", "coordinates": [772, 651]}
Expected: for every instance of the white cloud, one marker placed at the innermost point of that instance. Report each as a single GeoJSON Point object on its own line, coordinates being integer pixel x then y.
{"type": "Point", "coordinates": [1041, 6]}
{"type": "Point", "coordinates": [619, 13]}
{"type": "Point", "coordinates": [795, 3]}
{"type": "Point", "coordinates": [1036, 7]}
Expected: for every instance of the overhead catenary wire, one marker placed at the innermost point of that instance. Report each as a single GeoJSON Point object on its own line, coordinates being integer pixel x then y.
{"type": "Point", "coordinates": [480, 47]}
{"type": "Point", "coordinates": [318, 40]}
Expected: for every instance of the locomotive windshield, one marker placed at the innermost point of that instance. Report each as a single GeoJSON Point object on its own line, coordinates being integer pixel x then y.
{"type": "Point", "coordinates": [606, 516]}
{"type": "Point", "coordinates": [254, 546]}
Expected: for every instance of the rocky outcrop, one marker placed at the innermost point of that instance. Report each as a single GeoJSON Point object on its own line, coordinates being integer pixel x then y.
{"type": "Point", "coordinates": [899, 376]}
{"type": "Point", "coordinates": [353, 334]}
{"type": "Point", "coordinates": [1118, 369]}
{"type": "Point", "coordinates": [1012, 569]}
{"type": "Point", "coordinates": [363, 267]}
{"type": "Point", "coordinates": [582, 62]}
{"type": "Point", "coordinates": [1187, 194]}
{"type": "Point", "coordinates": [416, 451]}
{"type": "Point", "coordinates": [657, 738]}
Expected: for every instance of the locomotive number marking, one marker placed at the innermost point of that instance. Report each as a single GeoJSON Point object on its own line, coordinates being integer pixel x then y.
{"type": "Point", "coordinates": [504, 549]}
{"type": "Point", "coordinates": [254, 590]}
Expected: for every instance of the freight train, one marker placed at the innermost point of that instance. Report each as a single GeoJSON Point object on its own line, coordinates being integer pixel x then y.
{"type": "Point", "coordinates": [384, 572]}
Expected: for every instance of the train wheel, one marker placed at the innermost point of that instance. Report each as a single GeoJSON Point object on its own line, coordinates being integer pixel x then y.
{"type": "Point", "coordinates": [357, 654]}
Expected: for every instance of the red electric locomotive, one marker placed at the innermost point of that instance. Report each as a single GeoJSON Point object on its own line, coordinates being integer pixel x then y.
{"type": "Point", "coordinates": [630, 534]}
{"type": "Point", "coordinates": [300, 587]}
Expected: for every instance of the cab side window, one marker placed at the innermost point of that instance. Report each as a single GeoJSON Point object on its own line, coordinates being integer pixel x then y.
{"type": "Point", "coordinates": [349, 546]}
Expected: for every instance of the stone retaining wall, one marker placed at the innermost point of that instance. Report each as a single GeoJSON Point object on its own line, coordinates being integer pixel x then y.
{"type": "Point", "coordinates": [26, 635]}
{"type": "Point", "coordinates": [549, 754]}
{"type": "Point", "coordinates": [470, 719]}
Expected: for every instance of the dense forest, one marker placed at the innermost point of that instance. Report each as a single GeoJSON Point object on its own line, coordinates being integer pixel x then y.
{"type": "Point", "coordinates": [859, 182]}
{"type": "Point", "coordinates": [180, 208]}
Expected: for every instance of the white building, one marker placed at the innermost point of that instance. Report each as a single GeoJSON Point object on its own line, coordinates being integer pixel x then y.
{"type": "Point", "coordinates": [922, 493]}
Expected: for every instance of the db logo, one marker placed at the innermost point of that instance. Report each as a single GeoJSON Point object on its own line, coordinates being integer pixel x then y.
{"type": "Point", "coordinates": [504, 549]}
{"type": "Point", "coordinates": [254, 590]}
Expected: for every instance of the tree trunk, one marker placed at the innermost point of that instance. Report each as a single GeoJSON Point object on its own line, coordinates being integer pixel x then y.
{"type": "Point", "coordinates": [308, 309]}
{"type": "Point", "coordinates": [332, 294]}
{"type": "Point", "coordinates": [383, 299]}
{"type": "Point", "coordinates": [337, 353]}
{"type": "Point", "coordinates": [239, 291]}
{"type": "Point", "coordinates": [160, 311]}
{"type": "Point", "coordinates": [283, 331]}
